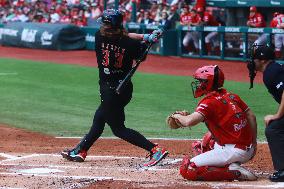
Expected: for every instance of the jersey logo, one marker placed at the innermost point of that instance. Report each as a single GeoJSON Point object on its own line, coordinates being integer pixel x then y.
{"type": "Point", "coordinates": [202, 106]}
{"type": "Point", "coordinates": [106, 71]}
{"type": "Point", "coordinates": [238, 127]}
{"type": "Point", "coordinates": [279, 85]}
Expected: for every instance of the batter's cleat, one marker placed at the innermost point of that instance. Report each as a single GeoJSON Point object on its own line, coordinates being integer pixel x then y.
{"type": "Point", "coordinates": [245, 175]}
{"type": "Point", "coordinates": [71, 155]}
{"type": "Point", "coordinates": [156, 155]}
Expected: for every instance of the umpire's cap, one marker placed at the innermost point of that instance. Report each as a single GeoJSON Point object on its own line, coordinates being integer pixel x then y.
{"type": "Point", "coordinates": [113, 18]}
{"type": "Point", "coordinates": [264, 53]}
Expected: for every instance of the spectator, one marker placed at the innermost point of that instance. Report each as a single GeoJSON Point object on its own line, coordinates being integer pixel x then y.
{"type": "Point", "coordinates": [54, 16]}
{"type": "Point", "coordinates": [65, 16]}
{"type": "Point", "coordinates": [184, 16]}
{"type": "Point", "coordinates": [147, 18]}
{"type": "Point", "coordinates": [140, 15]}
{"type": "Point", "coordinates": [256, 20]}
{"type": "Point", "coordinates": [173, 16]}
{"type": "Point", "coordinates": [278, 22]}
{"type": "Point", "coordinates": [164, 21]}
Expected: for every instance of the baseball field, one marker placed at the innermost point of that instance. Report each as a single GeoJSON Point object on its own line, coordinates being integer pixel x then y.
{"type": "Point", "coordinates": [48, 99]}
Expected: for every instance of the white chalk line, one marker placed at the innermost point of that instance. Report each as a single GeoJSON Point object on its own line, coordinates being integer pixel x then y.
{"type": "Point", "coordinates": [58, 176]}
{"type": "Point", "coordinates": [10, 188]}
{"type": "Point", "coordinates": [19, 158]}
{"type": "Point", "coordinates": [239, 185]}
{"type": "Point", "coordinates": [166, 139]}
{"type": "Point", "coordinates": [7, 156]}
{"type": "Point", "coordinates": [92, 167]}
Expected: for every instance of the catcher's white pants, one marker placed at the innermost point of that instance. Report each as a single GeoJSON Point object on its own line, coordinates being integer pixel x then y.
{"type": "Point", "coordinates": [223, 155]}
{"type": "Point", "coordinates": [279, 41]}
{"type": "Point", "coordinates": [191, 36]}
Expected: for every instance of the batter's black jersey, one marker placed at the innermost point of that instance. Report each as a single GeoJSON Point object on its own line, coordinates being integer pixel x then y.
{"type": "Point", "coordinates": [273, 78]}
{"type": "Point", "coordinates": [115, 56]}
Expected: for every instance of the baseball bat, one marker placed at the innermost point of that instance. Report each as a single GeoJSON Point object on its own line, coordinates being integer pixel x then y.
{"type": "Point", "coordinates": [132, 71]}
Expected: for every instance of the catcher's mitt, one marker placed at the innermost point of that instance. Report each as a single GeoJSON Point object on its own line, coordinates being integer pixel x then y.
{"type": "Point", "coordinates": [174, 123]}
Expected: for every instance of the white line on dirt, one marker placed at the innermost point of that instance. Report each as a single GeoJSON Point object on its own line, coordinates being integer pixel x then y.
{"type": "Point", "coordinates": [157, 168]}
{"type": "Point", "coordinates": [10, 188]}
{"type": "Point", "coordinates": [57, 176]}
{"type": "Point", "coordinates": [175, 139]}
{"type": "Point", "coordinates": [239, 185]}
{"type": "Point", "coordinates": [18, 158]}
{"type": "Point", "coordinates": [93, 157]}
{"type": "Point", "coordinates": [7, 156]}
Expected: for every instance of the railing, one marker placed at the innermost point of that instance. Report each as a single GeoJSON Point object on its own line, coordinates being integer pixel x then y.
{"type": "Point", "coordinates": [233, 42]}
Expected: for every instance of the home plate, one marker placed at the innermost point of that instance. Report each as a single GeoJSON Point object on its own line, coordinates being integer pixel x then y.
{"type": "Point", "coordinates": [40, 171]}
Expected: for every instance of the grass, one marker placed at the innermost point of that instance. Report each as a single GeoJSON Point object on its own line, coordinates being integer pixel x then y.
{"type": "Point", "coordinates": [61, 99]}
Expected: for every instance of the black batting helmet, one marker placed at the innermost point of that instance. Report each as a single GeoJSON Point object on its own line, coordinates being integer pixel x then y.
{"type": "Point", "coordinates": [113, 18]}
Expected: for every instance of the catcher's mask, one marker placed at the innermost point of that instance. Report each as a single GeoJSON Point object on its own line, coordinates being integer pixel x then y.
{"type": "Point", "coordinates": [207, 79]}
{"type": "Point", "coordinates": [258, 52]}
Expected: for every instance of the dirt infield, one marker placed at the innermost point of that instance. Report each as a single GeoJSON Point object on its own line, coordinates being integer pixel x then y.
{"type": "Point", "coordinates": [32, 160]}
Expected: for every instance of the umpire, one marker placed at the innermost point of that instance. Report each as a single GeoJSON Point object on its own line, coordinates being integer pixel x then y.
{"type": "Point", "coordinates": [115, 52]}
{"type": "Point", "coordinates": [263, 60]}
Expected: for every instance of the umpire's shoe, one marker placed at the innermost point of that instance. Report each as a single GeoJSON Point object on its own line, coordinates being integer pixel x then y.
{"type": "Point", "coordinates": [156, 155]}
{"type": "Point", "coordinates": [278, 176]}
{"type": "Point", "coordinates": [71, 155]}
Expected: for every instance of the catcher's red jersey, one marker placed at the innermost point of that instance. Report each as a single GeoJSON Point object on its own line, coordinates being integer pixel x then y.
{"type": "Point", "coordinates": [225, 117]}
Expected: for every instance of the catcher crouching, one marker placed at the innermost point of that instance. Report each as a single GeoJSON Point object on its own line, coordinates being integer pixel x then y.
{"type": "Point", "coordinates": [232, 125]}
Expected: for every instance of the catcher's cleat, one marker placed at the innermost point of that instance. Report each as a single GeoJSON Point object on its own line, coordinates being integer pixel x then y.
{"type": "Point", "coordinates": [71, 155]}
{"type": "Point", "coordinates": [156, 155]}
{"type": "Point", "coordinates": [245, 175]}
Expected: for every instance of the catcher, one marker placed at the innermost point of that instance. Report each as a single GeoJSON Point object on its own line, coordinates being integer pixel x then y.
{"type": "Point", "coordinates": [233, 127]}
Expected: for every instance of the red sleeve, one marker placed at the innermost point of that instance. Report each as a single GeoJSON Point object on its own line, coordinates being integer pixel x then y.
{"type": "Point", "coordinates": [205, 108]}
{"type": "Point", "coordinates": [241, 103]}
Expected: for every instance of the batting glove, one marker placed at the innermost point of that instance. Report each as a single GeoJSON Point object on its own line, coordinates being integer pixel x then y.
{"type": "Point", "coordinates": [151, 38]}
{"type": "Point", "coordinates": [159, 32]}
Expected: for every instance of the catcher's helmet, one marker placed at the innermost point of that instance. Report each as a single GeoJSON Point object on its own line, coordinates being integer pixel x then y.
{"type": "Point", "coordinates": [207, 79]}
{"type": "Point", "coordinates": [113, 18]}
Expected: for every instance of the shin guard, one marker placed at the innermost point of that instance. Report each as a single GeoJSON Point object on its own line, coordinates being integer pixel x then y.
{"type": "Point", "coordinates": [189, 171]}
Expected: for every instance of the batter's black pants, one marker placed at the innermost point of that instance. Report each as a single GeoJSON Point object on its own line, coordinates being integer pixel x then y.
{"type": "Point", "coordinates": [111, 111]}
{"type": "Point", "coordinates": [275, 137]}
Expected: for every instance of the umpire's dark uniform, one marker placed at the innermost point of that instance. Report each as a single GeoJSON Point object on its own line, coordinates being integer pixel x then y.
{"type": "Point", "coordinates": [273, 77]}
